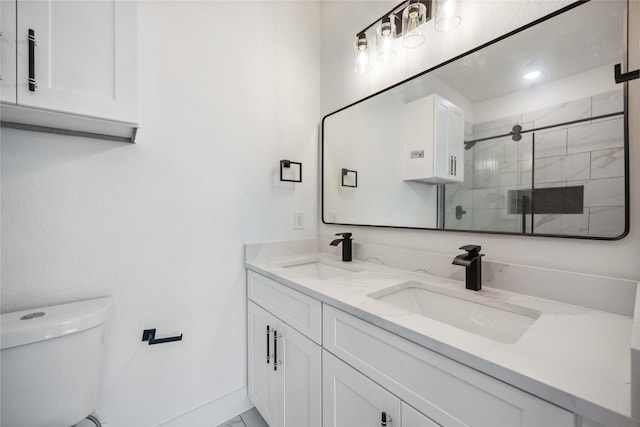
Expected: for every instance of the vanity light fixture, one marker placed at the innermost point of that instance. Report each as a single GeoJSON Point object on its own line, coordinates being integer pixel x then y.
{"type": "Point", "coordinates": [447, 16]}
{"type": "Point", "coordinates": [405, 21]}
{"type": "Point", "coordinates": [361, 54]}
{"type": "Point", "coordinates": [386, 39]}
{"type": "Point", "coordinates": [413, 16]}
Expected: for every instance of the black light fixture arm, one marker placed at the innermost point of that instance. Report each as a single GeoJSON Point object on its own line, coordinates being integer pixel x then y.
{"type": "Point", "coordinates": [396, 13]}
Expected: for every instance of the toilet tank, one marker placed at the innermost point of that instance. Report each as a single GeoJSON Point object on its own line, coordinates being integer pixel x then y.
{"type": "Point", "coordinates": [51, 363]}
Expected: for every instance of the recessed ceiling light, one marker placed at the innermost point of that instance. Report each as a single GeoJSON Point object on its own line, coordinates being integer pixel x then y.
{"type": "Point", "coordinates": [532, 75]}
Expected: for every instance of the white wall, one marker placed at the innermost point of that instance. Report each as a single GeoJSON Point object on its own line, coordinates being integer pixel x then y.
{"type": "Point", "coordinates": [482, 21]}
{"type": "Point", "coordinates": [227, 89]}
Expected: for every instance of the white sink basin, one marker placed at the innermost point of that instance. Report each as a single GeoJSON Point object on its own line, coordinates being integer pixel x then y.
{"type": "Point", "coordinates": [473, 313]}
{"type": "Point", "coordinates": [318, 270]}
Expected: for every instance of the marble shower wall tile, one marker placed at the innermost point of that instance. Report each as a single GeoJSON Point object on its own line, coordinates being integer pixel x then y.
{"type": "Point", "coordinates": [575, 224]}
{"type": "Point", "coordinates": [603, 192]}
{"type": "Point", "coordinates": [562, 168]}
{"type": "Point", "coordinates": [452, 223]}
{"type": "Point", "coordinates": [496, 127]}
{"type": "Point", "coordinates": [551, 143]}
{"type": "Point", "coordinates": [494, 220]}
{"type": "Point", "coordinates": [569, 111]}
{"type": "Point", "coordinates": [588, 153]}
{"type": "Point", "coordinates": [606, 221]}
{"type": "Point", "coordinates": [488, 198]}
{"type": "Point", "coordinates": [608, 103]}
{"type": "Point", "coordinates": [600, 135]}
{"type": "Point", "coordinates": [607, 163]}
{"type": "Point", "coordinates": [457, 194]}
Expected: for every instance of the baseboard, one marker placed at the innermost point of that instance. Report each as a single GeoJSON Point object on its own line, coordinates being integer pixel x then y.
{"type": "Point", "coordinates": [214, 413]}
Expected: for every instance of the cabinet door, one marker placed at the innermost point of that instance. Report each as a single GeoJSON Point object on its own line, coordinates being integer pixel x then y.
{"type": "Point", "coordinates": [8, 51]}
{"type": "Point", "coordinates": [412, 418]}
{"type": "Point", "coordinates": [262, 376]}
{"type": "Point", "coordinates": [352, 400]}
{"type": "Point", "coordinates": [84, 60]}
{"type": "Point", "coordinates": [299, 379]}
{"type": "Point", "coordinates": [449, 136]}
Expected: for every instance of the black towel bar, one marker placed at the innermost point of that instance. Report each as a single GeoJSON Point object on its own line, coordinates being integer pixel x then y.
{"type": "Point", "coordinates": [150, 335]}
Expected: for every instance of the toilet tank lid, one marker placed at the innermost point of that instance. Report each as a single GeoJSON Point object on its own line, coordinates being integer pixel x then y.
{"type": "Point", "coordinates": [29, 326]}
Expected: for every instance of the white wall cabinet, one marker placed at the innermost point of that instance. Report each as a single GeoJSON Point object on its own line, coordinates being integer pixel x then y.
{"type": "Point", "coordinates": [433, 141]}
{"type": "Point", "coordinates": [75, 65]}
{"type": "Point", "coordinates": [8, 51]}
{"type": "Point", "coordinates": [284, 371]}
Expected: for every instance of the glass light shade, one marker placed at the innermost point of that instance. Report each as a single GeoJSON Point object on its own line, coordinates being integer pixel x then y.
{"type": "Point", "coordinates": [361, 54]}
{"type": "Point", "coordinates": [447, 15]}
{"type": "Point", "coordinates": [413, 17]}
{"type": "Point", "coordinates": [386, 40]}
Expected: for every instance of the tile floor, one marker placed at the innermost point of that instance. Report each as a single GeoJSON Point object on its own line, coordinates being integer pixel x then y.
{"type": "Point", "coordinates": [250, 418]}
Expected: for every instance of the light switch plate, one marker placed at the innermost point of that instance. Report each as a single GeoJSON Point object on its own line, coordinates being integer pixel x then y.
{"type": "Point", "coordinates": [298, 221]}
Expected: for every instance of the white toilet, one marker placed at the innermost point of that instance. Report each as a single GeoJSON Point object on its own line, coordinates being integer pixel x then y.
{"type": "Point", "coordinates": [51, 363]}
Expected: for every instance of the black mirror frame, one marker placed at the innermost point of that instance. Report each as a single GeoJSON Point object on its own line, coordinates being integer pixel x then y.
{"type": "Point", "coordinates": [494, 41]}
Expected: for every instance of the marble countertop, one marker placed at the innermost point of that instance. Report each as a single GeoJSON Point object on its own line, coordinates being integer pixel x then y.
{"type": "Point", "coordinates": [578, 358]}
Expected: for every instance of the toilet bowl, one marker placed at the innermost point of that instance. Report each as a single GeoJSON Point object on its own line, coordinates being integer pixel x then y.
{"type": "Point", "coordinates": [51, 361]}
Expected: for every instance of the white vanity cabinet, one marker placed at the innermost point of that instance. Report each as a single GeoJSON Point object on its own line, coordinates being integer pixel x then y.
{"type": "Point", "coordinates": [433, 141]}
{"type": "Point", "coordinates": [284, 364]}
{"type": "Point", "coordinates": [75, 65]}
{"type": "Point", "coordinates": [351, 399]}
{"type": "Point", "coordinates": [312, 364]}
{"type": "Point", "coordinates": [447, 392]}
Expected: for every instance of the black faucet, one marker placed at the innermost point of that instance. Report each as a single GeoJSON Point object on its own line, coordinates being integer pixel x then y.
{"type": "Point", "coordinates": [472, 261]}
{"type": "Point", "coordinates": [346, 245]}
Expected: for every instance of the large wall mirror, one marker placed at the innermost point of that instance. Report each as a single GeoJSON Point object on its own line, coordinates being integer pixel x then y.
{"type": "Point", "coordinates": [526, 134]}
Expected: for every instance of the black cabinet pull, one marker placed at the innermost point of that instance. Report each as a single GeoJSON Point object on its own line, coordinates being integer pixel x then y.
{"type": "Point", "coordinates": [268, 355]}
{"type": "Point", "coordinates": [150, 335]}
{"type": "Point", "coordinates": [385, 419]}
{"type": "Point", "coordinates": [32, 60]}
{"type": "Point", "coordinates": [275, 350]}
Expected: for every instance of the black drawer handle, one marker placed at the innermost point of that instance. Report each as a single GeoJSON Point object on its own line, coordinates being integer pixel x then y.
{"type": "Point", "coordinates": [268, 355]}
{"type": "Point", "coordinates": [275, 350]}
{"type": "Point", "coordinates": [150, 335]}
{"type": "Point", "coordinates": [32, 60]}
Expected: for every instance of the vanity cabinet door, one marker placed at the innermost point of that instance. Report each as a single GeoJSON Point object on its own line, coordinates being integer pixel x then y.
{"type": "Point", "coordinates": [299, 379]}
{"type": "Point", "coordinates": [263, 391]}
{"type": "Point", "coordinates": [351, 400]}
{"type": "Point", "coordinates": [284, 371]}
{"type": "Point", "coordinates": [412, 418]}
{"type": "Point", "coordinates": [450, 393]}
